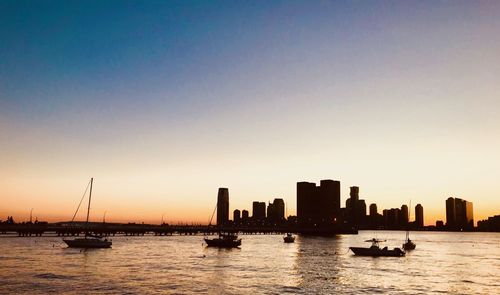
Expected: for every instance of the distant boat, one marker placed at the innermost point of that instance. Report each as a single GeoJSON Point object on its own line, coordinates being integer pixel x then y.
{"type": "Point", "coordinates": [289, 238]}
{"type": "Point", "coordinates": [408, 244]}
{"type": "Point", "coordinates": [224, 241]}
{"type": "Point", "coordinates": [89, 241]}
{"type": "Point", "coordinates": [376, 251]}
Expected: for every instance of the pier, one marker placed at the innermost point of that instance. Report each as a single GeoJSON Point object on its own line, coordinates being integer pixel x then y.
{"type": "Point", "coordinates": [132, 229]}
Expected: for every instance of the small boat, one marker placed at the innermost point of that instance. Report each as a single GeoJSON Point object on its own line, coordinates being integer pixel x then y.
{"type": "Point", "coordinates": [408, 244]}
{"type": "Point", "coordinates": [89, 241]}
{"type": "Point", "coordinates": [289, 238]}
{"type": "Point", "coordinates": [376, 251]}
{"type": "Point", "coordinates": [224, 241]}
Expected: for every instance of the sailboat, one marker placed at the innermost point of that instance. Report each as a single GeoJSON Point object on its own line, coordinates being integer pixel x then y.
{"type": "Point", "coordinates": [289, 238]}
{"type": "Point", "coordinates": [408, 244]}
{"type": "Point", "coordinates": [89, 241]}
{"type": "Point", "coordinates": [224, 240]}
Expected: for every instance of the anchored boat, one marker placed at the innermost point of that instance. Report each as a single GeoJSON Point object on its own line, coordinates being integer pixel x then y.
{"type": "Point", "coordinates": [224, 241]}
{"type": "Point", "coordinates": [376, 251]}
{"type": "Point", "coordinates": [289, 238]}
{"type": "Point", "coordinates": [89, 241]}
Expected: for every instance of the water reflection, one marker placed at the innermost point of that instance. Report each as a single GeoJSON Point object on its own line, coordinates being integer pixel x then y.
{"type": "Point", "coordinates": [442, 263]}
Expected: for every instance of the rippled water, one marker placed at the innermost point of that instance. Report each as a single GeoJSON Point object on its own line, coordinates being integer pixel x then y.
{"type": "Point", "coordinates": [450, 263]}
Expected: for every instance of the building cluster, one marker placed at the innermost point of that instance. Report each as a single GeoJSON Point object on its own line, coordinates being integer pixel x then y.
{"type": "Point", "coordinates": [459, 214]}
{"type": "Point", "coordinates": [262, 215]}
{"type": "Point", "coordinates": [320, 205]}
{"type": "Point", "coordinates": [490, 224]}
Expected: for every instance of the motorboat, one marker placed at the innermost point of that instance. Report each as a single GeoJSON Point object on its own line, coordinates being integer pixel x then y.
{"type": "Point", "coordinates": [224, 241]}
{"type": "Point", "coordinates": [289, 238]}
{"type": "Point", "coordinates": [376, 251]}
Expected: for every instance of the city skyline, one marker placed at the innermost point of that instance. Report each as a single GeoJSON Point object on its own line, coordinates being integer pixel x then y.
{"type": "Point", "coordinates": [164, 103]}
{"type": "Point", "coordinates": [329, 208]}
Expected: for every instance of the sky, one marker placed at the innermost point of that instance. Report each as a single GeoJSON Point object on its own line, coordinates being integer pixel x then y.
{"type": "Point", "coordinates": [163, 102]}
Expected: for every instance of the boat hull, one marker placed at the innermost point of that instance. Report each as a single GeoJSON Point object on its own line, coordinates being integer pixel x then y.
{"type": "Point", "coordinates": [87, 243]}
{"type": "Point", "coordinates": [223, 243]}
{"type": "Point", "coordinates": [360, 251]}
{"type": "Point", "coordinates": [409, 246]}
{"type": "Point", "coordinates": [289, 239]}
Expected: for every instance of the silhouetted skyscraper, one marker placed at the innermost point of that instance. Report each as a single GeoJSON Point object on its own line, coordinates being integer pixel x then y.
{"type": "Point", "coordinates": [355, 208]}
{"type": "Point", "coordinates": [404, 218]}
{"type": "Point", "coordinates": [244, 215]}
{"type": "Point", "coordinates": [374, 216]}
{"type": "Point", "coordinates": [222, 206]}
{"type": "Point", "coordinates": [276, 211]}
{"type": "Point", "coordinates": [419, 216]}
{"type": "Point", "coordinates": [450, 213]}
{"type": "Point", "coordinates": [459, 214]}
{"type": "Point", "coordinates": [469, 215]}
{"type": "Point", "coordinates": [392, 218]}
{"type": "Point", "coordinates": [258, 211]}
{"type": "Point", "coordinates": [373, 210]}
{"type": "Point", "coordinates": [318, 204]}
{"type": "Point", "coordinates": [236, 217]}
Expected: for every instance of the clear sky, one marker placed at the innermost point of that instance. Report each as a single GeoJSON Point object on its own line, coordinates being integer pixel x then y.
{"type": "Point", "coordinates": [162, 102]}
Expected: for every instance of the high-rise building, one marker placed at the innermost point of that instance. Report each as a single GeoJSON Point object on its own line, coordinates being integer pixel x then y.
{"type": "Point", "coordinates": [276, 211]}
{"type": "Point", "coordinates": [355, 208]}
{"type": "Point", "coordinates": [222, 206]}
{"type": "Point", "coordinates": [244, 214]}
{"type": "Point", "coordinates": [374, 217]}
{"type": "Point", "coordinates": [236, 217]}
{"type": "Point", "coordinates": [244, 217]}
{"type": "Point", "coordinates": [459, 214]}
{"type": "Point", "coordinates": [392, 218]}
{"type": "Point", "coordinates": [373, 210]}
{"type": "Point", "coordinates": [404, 218]}
{"type": "Point", "coordinates": [318, 204]}
{"type": "Point", "coordinates": [258, 211]}
{"type": "Point", "coordinates": [419, 216]}
{"type": "Point", "coordinates": [469, 215]}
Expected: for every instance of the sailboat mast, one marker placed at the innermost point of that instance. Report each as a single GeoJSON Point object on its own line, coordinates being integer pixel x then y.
{"type": "Point", "coordinates": [90, 198]}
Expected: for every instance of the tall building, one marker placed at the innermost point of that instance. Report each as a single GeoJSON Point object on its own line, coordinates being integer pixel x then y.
{"type": "Point", "coordinates": [222, 206]}
{"type": "Point", "coordinates": [236, 217]}
{"type": "Point", "coordinates": [459, 214]}
{"type": "Point", "coordinates": [419, 216]}
{"type": "Point", "coordinates": [318, 204]}
{"type": "Point", "coordinates": [374, 217]}
{"type": "Point", "coordinates": [469, 215]}
{"type": "Point", "coordinates": [373, 210]}
{"type": "Point", "coordinates": [404, 218]}
{"type": "Point", "coordinates": [355, 208]}
{"type": "Point", "coordinates": [392, 218]}
{"type": "Point", "coordinates": [245, 217]}
{"type": "Point", "coordinates": [244, 214]}
{"type": "Point", "coordinates": [276, 211]}
{"type": "Point", "coordinates": [450, 212]}
{"type": "Point", "coordinates": [258, 211]}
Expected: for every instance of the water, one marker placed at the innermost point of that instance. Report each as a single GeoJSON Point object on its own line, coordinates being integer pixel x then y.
{"type": "Point", "coordinates": [447, 263]}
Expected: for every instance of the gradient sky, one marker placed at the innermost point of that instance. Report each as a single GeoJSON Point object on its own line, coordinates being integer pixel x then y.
{"type": "Point", "coordinates": [162, 102]}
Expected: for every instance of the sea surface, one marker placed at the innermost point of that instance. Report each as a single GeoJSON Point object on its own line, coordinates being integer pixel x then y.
{"type": "Point", "coordinates": [442, 263]}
